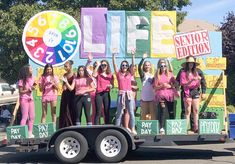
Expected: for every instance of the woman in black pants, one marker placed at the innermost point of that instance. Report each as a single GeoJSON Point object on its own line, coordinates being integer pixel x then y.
{"type": "Point", "coordinates": [104, 80]}
{"type": "Point", "coordinates": [83, 85]}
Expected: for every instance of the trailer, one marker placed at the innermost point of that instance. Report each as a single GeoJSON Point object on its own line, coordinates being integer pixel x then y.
{"type": "Point", "coordinates": [110, 143]}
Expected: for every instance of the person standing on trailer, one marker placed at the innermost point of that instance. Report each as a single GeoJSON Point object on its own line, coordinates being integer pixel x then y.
{"type": "Point", "coordinates": [104, 79]}
{"type": "Point", "coordinates": [148, 105]}
{"type": "Point", "coordinates": [48, 85]}
{"type": "Point", "coordinates": [83, 85]}
{"type": "Point", "coordinates": [67, 111]}
{"type": "Point", "coordinates": [164, 83]}
{"type": "Point", "coordinates": [203, 96]}
{"type": "Point", "coordinates": [92, 94]}
{"type": "Point", "coordinates": [26, 86]}
{"type": "Point", "coordinates": [125, 96]}
{"type": "Point", "coordinates": [134, 88]}
{"type": "Point", "coordinates": [190, 81]}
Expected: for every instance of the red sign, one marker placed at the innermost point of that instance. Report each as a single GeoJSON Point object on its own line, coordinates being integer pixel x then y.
{"type": "Point", "coordinates": [192, 44]}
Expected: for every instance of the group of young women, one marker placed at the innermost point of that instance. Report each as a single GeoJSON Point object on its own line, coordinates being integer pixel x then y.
{"type": "Point", "coordinates": [88, 88]}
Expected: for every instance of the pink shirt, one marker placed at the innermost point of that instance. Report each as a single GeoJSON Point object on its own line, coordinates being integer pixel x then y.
{"type": "Point", "coordinates": [48, 85]}
{"type": "Point", "coordinates": [193, 85]}
{"type": "Point", "coordinates": [82, 84]}
{"type": "Point", "coordinates": [124, 81]}
{"type": "Point", "coordinates": [165, 93]}
{"type": "Point", "coordinates": [103, 82]}
{"type": "Point", "coordinates": [29, 83]}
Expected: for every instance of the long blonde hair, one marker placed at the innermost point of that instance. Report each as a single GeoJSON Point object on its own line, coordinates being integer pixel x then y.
{"type": "Point", "coordinates": [159, 72]}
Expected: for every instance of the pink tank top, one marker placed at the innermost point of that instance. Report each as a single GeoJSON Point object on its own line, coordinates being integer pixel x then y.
{"type": "Point", "coordinates": [124, 81]}
{"type": "Point", "coordinates": [48, 87]}
{"type": "Point", "coordinates": [81, 84]}
{"type": "Point", "coordinates": [103, 82]}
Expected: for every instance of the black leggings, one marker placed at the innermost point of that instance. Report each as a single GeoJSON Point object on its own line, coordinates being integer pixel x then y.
{"type": "Point", "coordinates": [170, 107]}
{"type": "Point", "coordinates": [102, 99]}
{"type": "Point", "coordinates": [83, 101]}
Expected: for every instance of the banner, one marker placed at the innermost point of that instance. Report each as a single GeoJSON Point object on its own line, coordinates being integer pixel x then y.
{"type": "Point", "coordinates": [138, 32]}
{"type": "Point", "coordinates": [192, 44]}
{"type": "Point", "coordinates": [93, 25]}
{"type": "Point", "coordinates": [163, 28]}
{"type": "Point", "coordinates": [116, 33]}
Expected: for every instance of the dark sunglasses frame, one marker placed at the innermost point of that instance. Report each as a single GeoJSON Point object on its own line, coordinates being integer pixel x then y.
{"type": "Point", "coordinates": [162, 66]}
{"type": "Point", "coordinates": [125, 65]}
{"type": "Point", "coordinates": [103, 65]}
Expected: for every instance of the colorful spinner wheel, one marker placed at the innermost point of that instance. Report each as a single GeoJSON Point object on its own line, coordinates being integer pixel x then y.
{"type": "Point", "coordinates": [51, 37]}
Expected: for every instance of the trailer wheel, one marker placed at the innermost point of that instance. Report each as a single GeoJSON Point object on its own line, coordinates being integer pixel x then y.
{"type": "Point", "coordinates": [111, 146]}
{"type": "Point", "coordinates": [71, 147]}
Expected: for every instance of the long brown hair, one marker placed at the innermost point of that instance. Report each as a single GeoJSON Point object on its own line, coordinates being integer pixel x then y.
{"type": "Point", "coordinates": [24, 73]}
{"type": "Point", "coordinates": [86, 74]}
{"type": "Point", "coordinates": [194, 70]}
{"type": "Point", "coordinates": [108, 70]}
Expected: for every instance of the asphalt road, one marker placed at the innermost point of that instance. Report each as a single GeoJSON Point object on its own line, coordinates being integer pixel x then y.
{"type": "Point", "coordinates": [202, 154]}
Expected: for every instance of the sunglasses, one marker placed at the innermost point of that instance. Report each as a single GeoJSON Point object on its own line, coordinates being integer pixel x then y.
{"type": "Point", "coordinates": [162, 66]}
{"type": "Point", "coordinates": [103, 65]}
{"type": "Point", "coordinates": [125, 65]}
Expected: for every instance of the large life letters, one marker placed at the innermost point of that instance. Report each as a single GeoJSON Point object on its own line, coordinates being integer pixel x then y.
{"type": "Point", "coordinates": [145, 31]}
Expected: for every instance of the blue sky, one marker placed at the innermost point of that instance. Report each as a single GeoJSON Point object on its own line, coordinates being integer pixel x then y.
{"type": "Point", "coordinates": [212, 11]}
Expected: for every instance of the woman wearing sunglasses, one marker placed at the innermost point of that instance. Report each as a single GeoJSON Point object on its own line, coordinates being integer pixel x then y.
{"type": "Point", "coordinates": [164, 83]}
{"type": "Point", "coordinates": [104, 79]}
{"type": "Point", "coordinates": [125, 95]}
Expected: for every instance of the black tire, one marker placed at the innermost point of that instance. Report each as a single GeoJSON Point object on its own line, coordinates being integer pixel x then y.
{"type": "Point", "coordinates": [73, 155]}
{"type": "Point", "coordinates": [112, 138]}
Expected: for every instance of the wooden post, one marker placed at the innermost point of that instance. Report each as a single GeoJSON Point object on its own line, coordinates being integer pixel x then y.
{"type": "Point", "coordinates": [15, 112]}
{"type": "Point", "coordinates": [225, 108]}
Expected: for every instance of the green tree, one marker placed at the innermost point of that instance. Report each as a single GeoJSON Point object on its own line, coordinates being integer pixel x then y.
{"type": "Point", "coordinates": [15, 13]}
{"type": "Point", "coordinates": [228, 48]}
{"type": "Point", "coordinates": [12, 55]}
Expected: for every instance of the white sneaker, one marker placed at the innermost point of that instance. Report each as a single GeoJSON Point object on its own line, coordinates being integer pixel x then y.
{"type": "Point", "coordinates": [129, 130]}
{"type": "Point", "coordinates": [162, 131]}
{"type": "Point", "coordinates": [134, 132]}
{"type": "Point", "coordinates": [31, 136]}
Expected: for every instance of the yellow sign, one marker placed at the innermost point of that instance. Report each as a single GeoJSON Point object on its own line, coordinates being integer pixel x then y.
{"type": "Point", "coordinates": [215, 100]}
{"type": "Point", "coordinates": [216, 81]}
{"type": "Point", "coordinates": [216, 63]}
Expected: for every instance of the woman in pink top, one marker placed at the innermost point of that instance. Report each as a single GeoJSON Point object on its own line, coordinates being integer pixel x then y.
{"type": "Point", "coordinates": [83, 85]}
{"type": "Point", "coordinates": [90, 69]}
{"type": "Point", "coordinates": [164, 82]}
{"type": "Point", "coordinates": [125, 94]}
{"type": "Point", "coordinates": [190, 81]}
{"type": "Point", "coordinates": [104, 79]}
{"type": "Point", "coordinates": [26, 86]}
{"type": "Point", "coordinates": [48, 85]}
